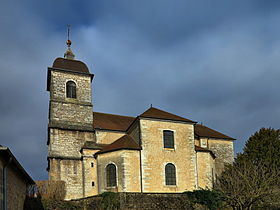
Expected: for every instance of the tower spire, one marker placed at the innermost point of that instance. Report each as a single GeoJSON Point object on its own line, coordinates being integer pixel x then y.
{"type": "Point", "coordinates": [69, 54]}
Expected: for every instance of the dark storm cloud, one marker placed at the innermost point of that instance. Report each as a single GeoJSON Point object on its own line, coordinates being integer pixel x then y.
{"type": "Point", "coordinates": [215, 62]}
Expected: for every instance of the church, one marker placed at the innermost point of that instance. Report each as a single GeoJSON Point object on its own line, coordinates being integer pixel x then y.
{"type": "Point", "coordinates": [154, 152]}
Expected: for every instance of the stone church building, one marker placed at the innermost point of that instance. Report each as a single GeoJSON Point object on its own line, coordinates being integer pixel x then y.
{"type": "Point", "coordinates": [95, 152]}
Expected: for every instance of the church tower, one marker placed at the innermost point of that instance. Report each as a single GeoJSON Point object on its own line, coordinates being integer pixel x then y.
{"type": "Point", "coordinates": [70, 121]}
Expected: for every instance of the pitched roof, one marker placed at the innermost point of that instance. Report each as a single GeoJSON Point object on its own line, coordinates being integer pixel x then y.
{"type": "Point", "coordinates": [203, 131]}
{"type": "Point", "coordinates": [68, 64]}
{"type": "Point", "coordinates": [201, 149]}
{"type": "Point", "coordinates": [111, 121]}
{"type": "Point", "coordinates": [6, 154]}
{"type": "Point", "coordinates": [160, 114]}
{"type": "Point", "coordinates": [125, 142]}
{"type": "Point", "coordinates": [93, 145]}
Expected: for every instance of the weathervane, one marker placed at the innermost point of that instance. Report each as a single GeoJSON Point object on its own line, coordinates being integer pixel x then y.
{"type": "Point", "coordinates": [69, 54]}
{"type": "Point", "coordinates": [68, 42]}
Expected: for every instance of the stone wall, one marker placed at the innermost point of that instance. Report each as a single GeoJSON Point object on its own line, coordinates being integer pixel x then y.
{"type": "Point", "coordinates": [223, 150]}
{"type": "Point", "coordinates": [107, 137]}
{"type": "Point", "coordinates": [71, 112]}
{"type": "Point", "coordinates": [90, 173]}
{"type": "Point", "coordinates": [69, 171]}
{"type": "Point", "coordinates": [128, 171]}
{"type": "Point", "coordinates": [143, 201]}
{"type": "Point", "coordinates": [58, 86]}
{"type": "Point", "coordinates": [16, 189]}
{"type": "Point", "coordinates": [67, 143]}
{"type": "Point", "coordinates": [205, 170]}
{"type": "Point", "coordinates": [65, 161]}
{"type": "Point", "coordinates": [154, 156]}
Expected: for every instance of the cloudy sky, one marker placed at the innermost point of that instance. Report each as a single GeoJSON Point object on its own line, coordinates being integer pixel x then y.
{"type": "Point", "coordinates": [215, 62]}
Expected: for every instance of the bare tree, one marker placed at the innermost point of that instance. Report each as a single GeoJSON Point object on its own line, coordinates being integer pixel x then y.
{"type": "Point", "coordinates": [246, 184]}
{"type": "Point", "coordinates": [51, 189]}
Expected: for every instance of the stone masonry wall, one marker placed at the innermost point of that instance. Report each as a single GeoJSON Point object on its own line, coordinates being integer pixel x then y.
{"type": "Point", "coordinates": [69, 171]}
{"type": "Point", "coordinates": [132, 177]}
{"type": "Point", "coordinates": [154, 156]}
{"type": "Point", "coordinates": [107, 137]}
{"type": "Point", "coordinates": [70, 114]}
{"type": "Point", "coordinates": [90, 172]}
{"type": "Point", "coordinates": [128, 170]}
{"type": "Point", "coordinates": [66, 159]}
{"type": "Point", "coordinates": [223, 150]}
{"type": "Point", "coordinates": [58, 86]}
{"type": "Point", "coordinates": [70, 111]}
{"type": "Point", "coordinates": [66, 143]}
{"type": "Point", "coordinates": [143, 201]}
{"type": "Point", "coordinates": [205, 169]}
{"type": "Point", "coordinates": [103, 160]}
{"type": "Point", "coordinates": [16, 189]}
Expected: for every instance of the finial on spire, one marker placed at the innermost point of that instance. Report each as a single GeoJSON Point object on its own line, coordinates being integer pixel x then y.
{"type": "Point", "coordinates": [69, 54]}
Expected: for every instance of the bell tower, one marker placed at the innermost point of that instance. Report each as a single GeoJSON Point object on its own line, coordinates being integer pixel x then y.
{"type": "Point", "coordinates": [70, 120]}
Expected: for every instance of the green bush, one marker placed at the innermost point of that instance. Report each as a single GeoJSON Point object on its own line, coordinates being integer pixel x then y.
{"type": "Point", "coordinates": [209, 198]}
{"type": "Point", "coordinates": [110, 201]}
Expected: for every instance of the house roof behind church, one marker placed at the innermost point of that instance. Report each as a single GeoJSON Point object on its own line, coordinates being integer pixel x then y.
{"type": "Point", "coordinates": [111, 121]}
{"type": "Point", "coordinates": [125, 142]}
{"type": "Point", "coordinates": [69, 64]}
{"type": "Point", "coordinates": [203, 131]}
{"type": "Point", "coordinates": [160, 114]}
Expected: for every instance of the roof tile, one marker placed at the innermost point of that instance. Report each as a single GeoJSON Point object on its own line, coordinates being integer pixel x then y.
{"type": "Point", "coordinates": [111, 121]}
{"type": "Point", "coordinates": [125, 142]}
{"type": "Point", "coordinates": [68, 64]}
{"type": "Point", "coordinates": [160, 114]}
{"type": "Point", "coordinates": [203, 131]}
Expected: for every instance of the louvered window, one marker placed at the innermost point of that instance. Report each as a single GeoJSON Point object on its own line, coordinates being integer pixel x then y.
{"type": "Point", "coordinates": [71, 89]}
{"type": "Point", "coordinates": [168, 139]}
{"type": "Point", "coordinates": [111, 176]}
{"type": "Point", "coordinates": [170, 174]}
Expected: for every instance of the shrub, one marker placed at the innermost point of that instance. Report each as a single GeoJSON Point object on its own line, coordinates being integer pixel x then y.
{"type": "Point", "coordinates": [209, 198]}
{"type": "Point", "coordinates": [51, 189]}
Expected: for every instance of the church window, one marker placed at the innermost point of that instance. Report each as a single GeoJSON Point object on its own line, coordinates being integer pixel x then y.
{"type": "Point", "coordinates": [170, 174]}
{"type": "Point", "coordinates": [71, 89]}
{"type": "Point", "coordinates": [92, 165]}
{"type": "Point", "coordinates": [168, 139]}
{"type": "Point", "coordinates": [111, 175]}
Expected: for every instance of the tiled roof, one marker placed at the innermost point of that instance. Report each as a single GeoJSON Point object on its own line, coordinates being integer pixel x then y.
{"type": "Point", "coordinates": [160, 114]}
{"type": "Point", "coordinates": [201, 149]}
{"type": "Point", "coordinates": [93, 145]}
{"type": "Point", "coordinates": [68, 64]}
{"type": "Point", "coordinates": [122, 123]}
{"type": "Point", "coordinates": [111, 121]}
{"type": "Point", "coordinates": [203, 131]}
{"type": "Point", "coordinates": [125, 142]}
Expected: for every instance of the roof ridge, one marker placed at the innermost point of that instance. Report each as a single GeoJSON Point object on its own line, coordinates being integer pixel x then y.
{"type": "Point", "coordinates": [114, 114]}
{"type": "Point", "coordinates": [153, 112]}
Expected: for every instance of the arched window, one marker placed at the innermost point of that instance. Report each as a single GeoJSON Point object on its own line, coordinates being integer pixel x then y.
{"type": "Point", "coordinates": [71, 89]}
{"type": "Point", "coordinates": [168, 139]}
{"type": "Point", "coordinates": [170, 174]}
{"type": "Point", "coordinates": [111, 175]}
